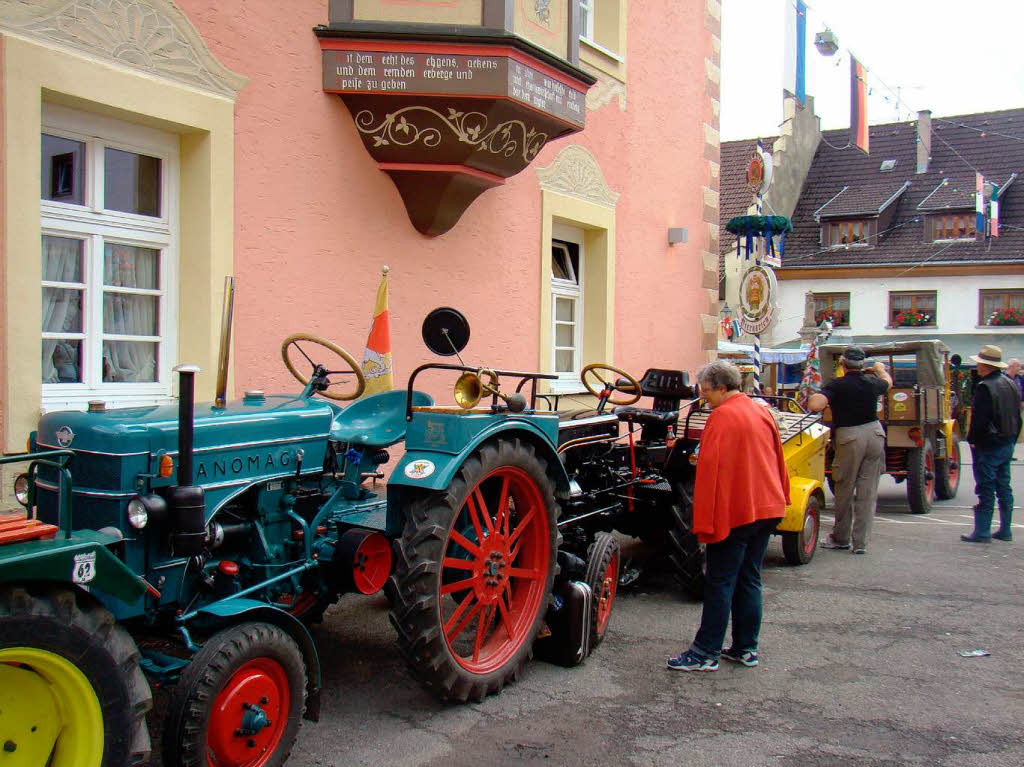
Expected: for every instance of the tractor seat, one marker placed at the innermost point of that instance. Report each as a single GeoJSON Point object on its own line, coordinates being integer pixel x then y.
{"type": "Point", "coordinates": [646, 416]}
{"type": "Point", "coordinates": [17, 527]}
{"type": "Point", "coordinates": [377, 420]}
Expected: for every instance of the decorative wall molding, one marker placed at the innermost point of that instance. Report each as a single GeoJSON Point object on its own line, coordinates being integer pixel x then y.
{"type": "Point", "coordinates": [151, 36]}
{"type": "Point", "coordinates": [605, 90]}
{"type": "Point", "coordinates": [576, 172]}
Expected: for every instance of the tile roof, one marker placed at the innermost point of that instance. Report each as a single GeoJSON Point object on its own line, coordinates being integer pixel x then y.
{"type": "Point", "coordinates": [991, 142]}
{"type": "Point", "coordinates": [863, 199]}
{"type": "Point", "coordinates": [953, 193]}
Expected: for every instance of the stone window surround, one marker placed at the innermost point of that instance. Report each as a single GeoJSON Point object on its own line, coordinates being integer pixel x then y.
{"type": "Point", "coordinates": [204, 124]}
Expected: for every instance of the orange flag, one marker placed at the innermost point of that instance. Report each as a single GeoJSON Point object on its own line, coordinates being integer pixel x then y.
{"type": "Point", "coordinates": [377, 355]}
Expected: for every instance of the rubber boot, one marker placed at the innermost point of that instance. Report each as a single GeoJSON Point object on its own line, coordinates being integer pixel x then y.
{"type": "Point", "coordinates": [1004, 533]}
{"type": "Point", "coordinates": [982, 527]}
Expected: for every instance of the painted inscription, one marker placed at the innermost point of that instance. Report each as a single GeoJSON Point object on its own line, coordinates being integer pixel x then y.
{"type": "Point", "coordinates": [248, 465]}
{"type": "Point", "coordinates": [451, 75]}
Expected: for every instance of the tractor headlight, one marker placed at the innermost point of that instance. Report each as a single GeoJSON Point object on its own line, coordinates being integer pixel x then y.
{"type": "Point", "coordinates": [21, 488]}
{"type": "Point", "coordinates": [138, 515]}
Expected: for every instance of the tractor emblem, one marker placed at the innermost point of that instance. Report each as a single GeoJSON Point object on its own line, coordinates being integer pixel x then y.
{"type": "Point", "coordinates": [64, 436]}
{"type": "Point", "coordinates": [419, 469]}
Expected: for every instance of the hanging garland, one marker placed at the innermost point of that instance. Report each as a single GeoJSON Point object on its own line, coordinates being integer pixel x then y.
{"type": "Point", "coordinates": [748, 228]}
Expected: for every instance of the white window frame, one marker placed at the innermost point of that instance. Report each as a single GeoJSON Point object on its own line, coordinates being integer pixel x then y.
{"type": "Point", "coordinates": [568, 381]}
{"type": "Point", "coordinates": [94, 225]}
{"type": "Point", "coordinates": [587, 20]}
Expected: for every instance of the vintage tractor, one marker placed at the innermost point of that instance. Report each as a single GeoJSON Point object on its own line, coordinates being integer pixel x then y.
{"type": "Point", "coordinates": [922, 434]}
{"type": "Point", "coordinates": [632, 468]}
{"type": "Point", "coordinates": [189, 546]}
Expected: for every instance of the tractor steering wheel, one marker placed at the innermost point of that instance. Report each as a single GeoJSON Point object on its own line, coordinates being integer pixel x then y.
{"type": "Point", "coordinates": [632, 390]}
{"type": "Point", "coordinates": [321, 372]}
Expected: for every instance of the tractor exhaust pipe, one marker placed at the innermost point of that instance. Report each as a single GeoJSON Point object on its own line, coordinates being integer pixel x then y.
{"type": "Point", "coordinates": [220, 400]}
{"type": "Point", "coordinates": [186, 502]}
{"type": "Point", "coordinates": [186, 420]}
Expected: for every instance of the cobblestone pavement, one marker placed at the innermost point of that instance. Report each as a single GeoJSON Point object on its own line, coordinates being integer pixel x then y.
{"type": "Point", "coordinates": [859, 665]}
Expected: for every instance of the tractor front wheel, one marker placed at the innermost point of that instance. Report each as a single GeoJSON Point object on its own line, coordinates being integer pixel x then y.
{"type": "Point", "coordinates": [474, 570]}
{"type": "Point", "coordinates": [239, 703]}
{"type": "Point", "coordinates": [71, 691]}
{"type": "Point", "coordinates": [603, 578]}
{"type": "Point", "coordinates": [921, 477]}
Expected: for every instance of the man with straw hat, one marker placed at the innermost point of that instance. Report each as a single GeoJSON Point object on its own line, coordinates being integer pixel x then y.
{"type": "Point", "coordinates": [995, 425]}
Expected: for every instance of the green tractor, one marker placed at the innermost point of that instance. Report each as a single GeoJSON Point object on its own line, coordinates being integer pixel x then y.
{"type": "Point", "coordinates": [191, 546]}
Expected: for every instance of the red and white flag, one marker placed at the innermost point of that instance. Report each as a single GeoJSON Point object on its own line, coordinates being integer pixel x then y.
{"type": "Point", "coordinates": [377, 368]}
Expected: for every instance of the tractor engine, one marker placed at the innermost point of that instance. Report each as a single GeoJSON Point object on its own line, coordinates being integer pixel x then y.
{"type": "Point", "coordinates": [212, 501]}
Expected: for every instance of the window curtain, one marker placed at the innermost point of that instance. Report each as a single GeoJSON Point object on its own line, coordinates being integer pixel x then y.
{"type": "Point", "coordinates": [130, 314]}
{"type": "Point", "coordinates": [62, 309]}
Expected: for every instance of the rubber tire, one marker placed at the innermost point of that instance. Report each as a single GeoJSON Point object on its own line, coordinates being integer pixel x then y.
{"type": "Point", "coordinates": [944, 490]}
{"type": "Point", "coordinates": [917, 485]}
{"type": "Point", "coordinates": [794, 545]}
{"type": "Point", "coordinates": [184, 741]}
{"type": "Point", "coordinates": [599, 556]}
{"type": "Point", "coordinates": [85, 633]}
{"type": "Point", "coordinates": [413, 587]}
{"type": "Point", "coordinates": [685, 552]}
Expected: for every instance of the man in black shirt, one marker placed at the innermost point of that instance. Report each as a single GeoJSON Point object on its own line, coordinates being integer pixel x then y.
{"type": "Point", "coordinates": [859, 442]}
{"type": "Point", "coordinates": [995, 425]}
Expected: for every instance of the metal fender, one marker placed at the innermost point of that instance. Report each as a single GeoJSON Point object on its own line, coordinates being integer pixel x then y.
{"type": "Point", "coordinates": [426, 469]}
{"type": "Point", "coordinates": [947, 432]}
{"type": "Point", "coordinates": [800, 491]}
{"type": "Point", "coordinates": [83, 560]}
{"type": "Point", "coordinates": [229, 612]}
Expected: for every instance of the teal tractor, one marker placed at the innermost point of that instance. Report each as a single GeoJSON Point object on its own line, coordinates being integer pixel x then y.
{"type": "Point", "coordinates": [191, 546]}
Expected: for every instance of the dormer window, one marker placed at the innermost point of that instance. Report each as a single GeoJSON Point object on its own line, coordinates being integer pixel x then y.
{"type": "Point", "coordinates": [848, 232]}
{"type": "Point", "coordinates": [953, 226]}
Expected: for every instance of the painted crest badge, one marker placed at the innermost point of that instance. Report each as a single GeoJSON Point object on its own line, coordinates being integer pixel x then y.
{"type": "Point", "coordinates": [419, 469]}
{"type": "Point", "coordinates": [757, 300]}
{"type": "Point", "coordinates": [64, 436]}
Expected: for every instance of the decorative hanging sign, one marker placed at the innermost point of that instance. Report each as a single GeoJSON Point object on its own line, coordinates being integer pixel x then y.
{"type": "Point", "coordinates": [759, 171]}
{"type": "Point", "coordinates": [758, 293]}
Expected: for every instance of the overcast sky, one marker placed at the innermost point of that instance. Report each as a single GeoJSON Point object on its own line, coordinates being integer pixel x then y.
{"type": "Point", "coordinates": [950, 56]}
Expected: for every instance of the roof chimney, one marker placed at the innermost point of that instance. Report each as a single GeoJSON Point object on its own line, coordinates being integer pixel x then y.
{"type": "Point", "coordinates": [924, 139]}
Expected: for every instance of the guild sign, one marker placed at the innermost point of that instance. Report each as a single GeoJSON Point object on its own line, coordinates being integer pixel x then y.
{"type": "Point", "coordinates": [757, 297]}
{"type": "Point", "coordinates": [759, 171]}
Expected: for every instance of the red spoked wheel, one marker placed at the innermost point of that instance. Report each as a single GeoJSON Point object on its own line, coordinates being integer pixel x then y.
{"type": "Point", "coordinates": [474, 573]}
{"type": "Point", "coordinates": [505, 558]}
{"type": "Point", "coordinates": [921, 477]}
{"type": "Point", "coordinates": [603, 578]}
{"type": "Point", "coordinates": [239, 702]}
{"type": "Point", "coordinates": [248, 716]}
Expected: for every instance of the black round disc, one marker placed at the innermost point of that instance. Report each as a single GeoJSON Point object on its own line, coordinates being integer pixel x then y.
{"type": "Point", "coordinates": [446, 331]}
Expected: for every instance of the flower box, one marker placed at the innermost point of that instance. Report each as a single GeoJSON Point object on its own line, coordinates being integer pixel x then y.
{"type": "Point", "coordinates": [1006, 317]}
{"type": "Point", "coordinates": [912, 319]}
{"type": "Point", "coordinates": [835, 316]}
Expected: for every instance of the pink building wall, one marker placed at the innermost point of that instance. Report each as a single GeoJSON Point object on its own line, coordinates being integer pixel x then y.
{"type": "Point", "coordinates": [315, 219]}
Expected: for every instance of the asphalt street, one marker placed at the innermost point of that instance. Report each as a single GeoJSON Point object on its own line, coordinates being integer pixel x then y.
{"type": "Point", "coordinates": [859, 665]}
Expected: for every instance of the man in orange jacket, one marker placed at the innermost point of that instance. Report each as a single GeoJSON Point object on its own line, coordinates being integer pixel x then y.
{"type": "Point", "coordinates": [741, 493]}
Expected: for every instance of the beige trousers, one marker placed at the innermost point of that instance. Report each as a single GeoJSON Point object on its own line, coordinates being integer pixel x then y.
{"type": "Point", "coordinates": [858, 462]}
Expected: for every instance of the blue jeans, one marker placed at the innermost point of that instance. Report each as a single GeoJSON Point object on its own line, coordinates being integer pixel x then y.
{"type": "Point", "coordinates": [733, 584]}
{"type": "Point", "coordinates": [992, 481]}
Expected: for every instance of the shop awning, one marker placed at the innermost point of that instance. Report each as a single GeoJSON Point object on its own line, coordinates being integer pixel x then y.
{"type": "Point", "coordinates": [789, 356]}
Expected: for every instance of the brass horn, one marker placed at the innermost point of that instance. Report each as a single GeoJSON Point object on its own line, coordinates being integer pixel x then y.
{"type": "Point", "coordinates": [471, 388]}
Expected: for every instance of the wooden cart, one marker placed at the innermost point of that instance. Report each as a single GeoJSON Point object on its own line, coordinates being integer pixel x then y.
{"type": "Point", "coordinates": [922, 436]}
